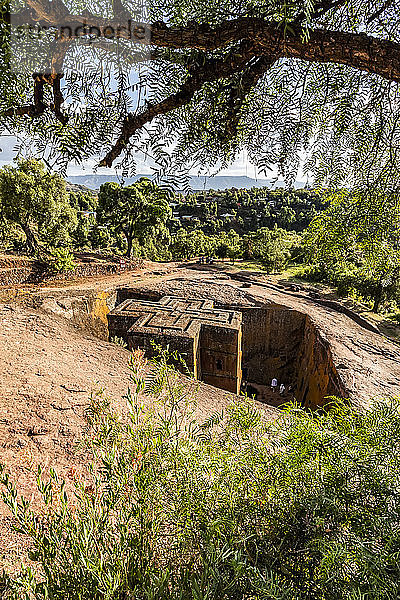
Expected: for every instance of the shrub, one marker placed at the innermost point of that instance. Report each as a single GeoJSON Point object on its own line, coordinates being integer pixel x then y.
{"type": "Point", "coordinates": [396, 317]}
{"type": "Point", "coordinates": [60, 260]}
{"type": "Point", "coordinates": [119, 341]}
{"type": "Point", "coordinates": [232, 507]}
{"type": "Point", "coordinates": [313, 273]}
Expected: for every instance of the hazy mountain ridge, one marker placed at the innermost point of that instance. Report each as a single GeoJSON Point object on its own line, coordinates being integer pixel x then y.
{"type": "Point", "coordinates": [218, 182]}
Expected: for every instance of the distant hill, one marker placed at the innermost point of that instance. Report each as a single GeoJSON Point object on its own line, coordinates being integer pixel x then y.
{"type": "Point", "coordinates": [77, 187]}
{"type": "Point", "coordinates": [218, 182]}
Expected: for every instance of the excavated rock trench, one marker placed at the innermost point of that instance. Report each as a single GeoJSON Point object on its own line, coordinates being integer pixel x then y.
{"type": "Point", "coordinates": [277, 341]}
{"type": "Point", "coordinates": [282, 343]}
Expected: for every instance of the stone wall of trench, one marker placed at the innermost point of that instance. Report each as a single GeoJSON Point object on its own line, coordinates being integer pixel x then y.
{"type": "Point", "coordinates": [317, 377]}
{"type": "Point", "coordinates": [87, 312]}
{"type": "Point", "coordinates": [284, 343]}
{"type": "Point", "coordinates": [271, 342]}
{"type": "Point", "coordinates": [21, 271]}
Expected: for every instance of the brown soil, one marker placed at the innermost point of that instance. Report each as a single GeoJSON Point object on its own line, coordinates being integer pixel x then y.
{"type": "Point", "coordinates": [49, 366]}
{"type": "Point", "coordinates": [48, 369]}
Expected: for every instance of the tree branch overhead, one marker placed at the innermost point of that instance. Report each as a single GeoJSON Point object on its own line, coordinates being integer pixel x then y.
{"type": "Point", "coordinates": [249, 45]}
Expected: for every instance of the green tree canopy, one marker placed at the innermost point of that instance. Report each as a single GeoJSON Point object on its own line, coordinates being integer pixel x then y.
{"type": "Point", "coordinates": [228, 245]}
{"type": "Point", "coordinates": [271, 246]}
{"type": "Point", "coordinates": [37, 202]}
{"type": "Point", "coordinates": [136, 210]}
{"type": "Point", "coordinates": [359, 229]}
{"type": "Point", "coordinates": [281, 79]}
{"type": "Point", "coordinates": [187, 244]}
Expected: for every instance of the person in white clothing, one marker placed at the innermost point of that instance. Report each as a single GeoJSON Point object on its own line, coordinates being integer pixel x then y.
{"type": "Point", "coordinates": [274, 384]}
{"type": "Point", "coordinates": [281, 389]}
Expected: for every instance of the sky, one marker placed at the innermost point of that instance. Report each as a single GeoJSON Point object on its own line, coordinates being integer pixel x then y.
{"type": "Point", "coordinates": [240, 167]}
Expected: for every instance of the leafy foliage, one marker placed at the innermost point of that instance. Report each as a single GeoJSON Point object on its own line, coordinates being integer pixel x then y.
{"type": "Point", "coordinates": [139, 211]}
{"type": "Point", "coordinates": [359, 233]}
{"type": "Point", "coordinates": [60, 260]}
{"type": "Point", "coordinates": [36, 202]}
{"type": "Point", "coordinates": [136, 219]}
{"type": "Point", "coordinates": [247, 210]}
{"type": "Point", "coordinates": [273, 247]}
{"type": "Point", "coordinates": [119, 341]}
{"type": "Point", "coordinates": [306, 507]}
{"type": "Point", "coordinates": [342, 119]}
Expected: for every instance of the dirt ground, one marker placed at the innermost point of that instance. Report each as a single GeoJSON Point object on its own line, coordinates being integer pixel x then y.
{"type": "Point", "coordinates": [48, 370]}
{"type": "Point", "coordinates": [49, 366]}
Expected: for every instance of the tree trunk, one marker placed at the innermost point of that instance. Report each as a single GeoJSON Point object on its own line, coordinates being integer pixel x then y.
{"type": "Point", "coordinates": [377, 297]}
{"type": "Point", "coordinates": [31, 241]}
{"type": "Point", "coordinates": [128, 233]}
{"type": "Point", "coordinates": [129, 248]}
